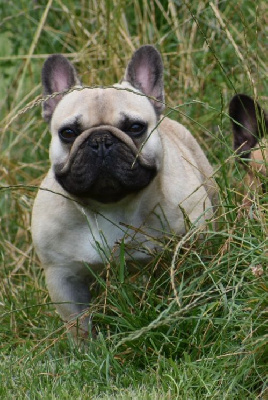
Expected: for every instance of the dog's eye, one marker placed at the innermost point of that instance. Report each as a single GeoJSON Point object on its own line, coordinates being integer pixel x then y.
{"type": "Point", "coordinates": [67, 135]}
{"type": "Point", "coordinates": [136, 129]}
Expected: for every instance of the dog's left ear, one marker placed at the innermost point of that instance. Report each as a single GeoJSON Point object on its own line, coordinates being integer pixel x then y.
{"type": "Point", "coordinates": [145, 72]}
{"type": "Point", "coordinates": [58, 75]}
{"type": "Point", "coordinates": [250, 123]}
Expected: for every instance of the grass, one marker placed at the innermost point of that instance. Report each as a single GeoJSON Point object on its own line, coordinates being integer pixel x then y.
{"type": "Point", "coordinates": [193, 323]}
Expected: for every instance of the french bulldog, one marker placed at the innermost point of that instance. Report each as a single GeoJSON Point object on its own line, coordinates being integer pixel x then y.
{"type": "Point", "coordinates": [120, 172]}
{"type": "Point", "coordinates": [250, 128]}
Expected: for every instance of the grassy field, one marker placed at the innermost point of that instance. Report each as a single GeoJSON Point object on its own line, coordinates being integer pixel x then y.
{"type": "Point", "coordinates": [193, 323]}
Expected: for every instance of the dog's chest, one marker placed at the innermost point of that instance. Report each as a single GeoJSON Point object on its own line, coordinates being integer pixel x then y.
{"type": "Point", "coordinates": [101, 236]}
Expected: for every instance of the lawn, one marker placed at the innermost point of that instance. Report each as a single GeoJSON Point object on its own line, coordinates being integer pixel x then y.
{"type": "Point", "coordinates": [192, 324]}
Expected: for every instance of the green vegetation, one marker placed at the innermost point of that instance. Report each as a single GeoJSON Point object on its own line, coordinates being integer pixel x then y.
{"type": "Point", "coordinates": [193, 323]}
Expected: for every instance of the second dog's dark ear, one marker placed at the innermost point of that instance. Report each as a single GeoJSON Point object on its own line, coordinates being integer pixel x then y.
{"type": "Point", "coordinates": [145, 73]}
{"type": "Point", "coordinates": [58, 75]}
{"type": "Point", "coordinates": [249, 123]}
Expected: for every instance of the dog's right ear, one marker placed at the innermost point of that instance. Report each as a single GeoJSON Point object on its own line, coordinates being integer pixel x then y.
{"type": "Point", "coordinates": [249, 123]}
{"type": "Point", "coordinates": [58, 75]}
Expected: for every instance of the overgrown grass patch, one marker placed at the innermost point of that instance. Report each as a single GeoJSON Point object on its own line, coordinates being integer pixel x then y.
{"type": "Point", "coordinates": [193, 322]}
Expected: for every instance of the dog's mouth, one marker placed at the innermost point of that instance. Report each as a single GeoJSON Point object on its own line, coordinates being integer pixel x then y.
{"type": "Point", "coordinates": [104, 164]}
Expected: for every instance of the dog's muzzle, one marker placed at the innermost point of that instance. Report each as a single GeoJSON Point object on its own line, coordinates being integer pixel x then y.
{"type": "Point", "coordinates": [100, 139]}
{"type": "Point", "coordinates": [104, 164]}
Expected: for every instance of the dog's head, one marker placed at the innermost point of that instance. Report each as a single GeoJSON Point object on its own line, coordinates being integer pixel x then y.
{"type": "Point", "coordinates": [250, 129]}
{"type": "Point", "coordinates": [105, 143]}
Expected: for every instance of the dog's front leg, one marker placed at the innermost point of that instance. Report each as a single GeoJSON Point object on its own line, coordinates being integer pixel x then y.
{"type": "Point", "coordinates": [70, 293]}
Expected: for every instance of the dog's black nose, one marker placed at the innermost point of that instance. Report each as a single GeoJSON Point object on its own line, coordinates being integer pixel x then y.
{"type": "Point", "coordinates": [101, 142]}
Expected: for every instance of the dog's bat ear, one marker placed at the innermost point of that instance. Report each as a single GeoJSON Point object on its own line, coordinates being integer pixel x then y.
{"type": "Point", "coordinates": [145, 72]}
{"type": "Point", "coordinates": [58, 75]}
{"type": "Point", "coordinates": [249, 123]}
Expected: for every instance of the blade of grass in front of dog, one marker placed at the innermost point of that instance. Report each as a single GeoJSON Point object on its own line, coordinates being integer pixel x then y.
{"type": "Point", "coordinates": [122, 262]}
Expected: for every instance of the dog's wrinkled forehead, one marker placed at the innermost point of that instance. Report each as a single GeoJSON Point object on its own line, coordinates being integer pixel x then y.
{"type": "Point", "coordinates": [102, 106]}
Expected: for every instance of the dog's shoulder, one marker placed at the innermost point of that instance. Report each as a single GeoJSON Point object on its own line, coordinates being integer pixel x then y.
{"type": "Point", "coordinates": [186, 143]}
{"type": "Point", "coordinates": [51, 204]}
{"type": "Point", "coordinates": [177, 137]}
